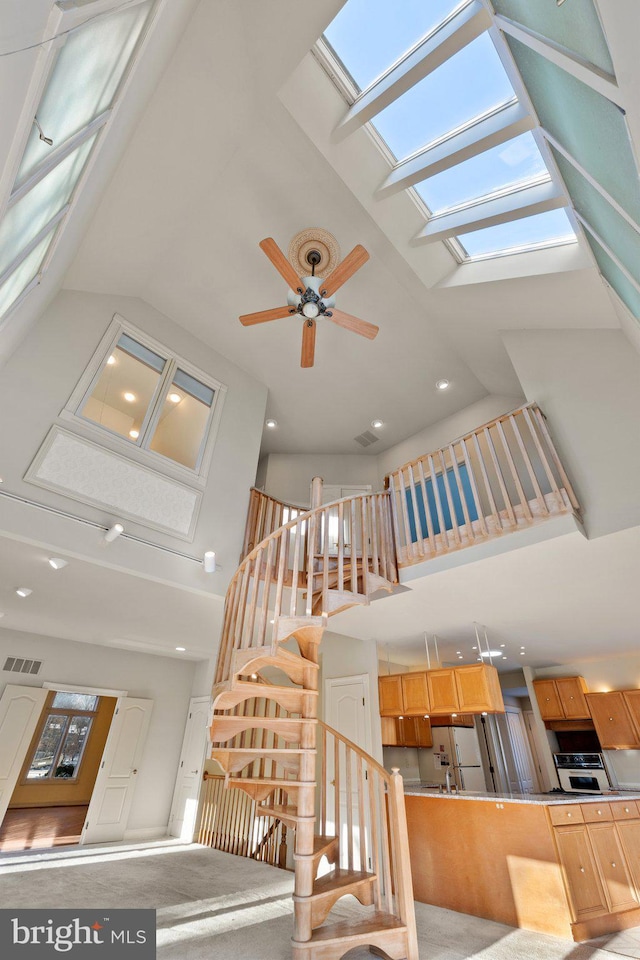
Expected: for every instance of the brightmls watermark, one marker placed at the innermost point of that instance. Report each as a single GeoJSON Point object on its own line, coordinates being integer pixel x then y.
{"type": "Point", "coordinates": [78, 934]}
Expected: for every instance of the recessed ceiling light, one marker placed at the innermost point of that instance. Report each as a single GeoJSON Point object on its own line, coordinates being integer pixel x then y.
{"type": "Point", "coordinates": [1, 479]}
{"type": "Point", "coordinates": [503, 644]}
{"type": "Point", "coordinates": [271, 423]}
{"type": "Point", "coordinates": [504, 658]}
{"type": "Point", "coordinates": [460, 657]}
{"type": "Point", "coordinates": [376, 424]}
{"type": "Point", "coordinates": [111, 360]}
{"type": "Point", "coordinates": [57, 563]}
{"type": "Point", "coordinates": [522, 653]}
{"type": "Point", "coordinates": [175, 397]}
{"type": "Point", "coordinates": [24, 591]}
{"type": "Point", "coordinates": [134, 434]}
{"type": "Point", "coordinates": [490, 653]}
{"type": "Point", "coordinates": [181, 649]}
{"type": "Point", "coordinates": [442, 384]}
{"type": "Point", "coordinates": [129, 397]}
{"type": "Point", "coordinates": [474, 648]}
{"type": "Point", "coordinates": [458, 651]}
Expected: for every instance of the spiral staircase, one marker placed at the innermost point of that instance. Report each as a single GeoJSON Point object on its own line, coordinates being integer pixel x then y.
{"type": "Point", "coordinates": [346, 811]}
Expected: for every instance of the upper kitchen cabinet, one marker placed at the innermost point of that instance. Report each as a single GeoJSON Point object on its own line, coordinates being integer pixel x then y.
{"type": "Point", "coordinates": [443, 695]}
{"type": "Point", "coordinates": [390, 693]}
{"type": "Point", "coordinates": [415, 694]}
{"type": "Point", "coordinates": [478, 689]}
{"type": "Point", "coordinates": [613, 717]}
{"type": "Point", "coordinates": [562, 698]}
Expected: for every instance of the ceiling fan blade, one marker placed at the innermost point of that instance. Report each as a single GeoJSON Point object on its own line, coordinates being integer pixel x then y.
{"type": "Point", "coordinates": [363, 327]}
{"type": "Point", "coordinates": [352, 262]}
{"type": "Point", "coordinates": [308, 343]}
{"type": "Point", "coordinates": [281, 264]}
{"type": "Point", "coordinates": [248, 319]}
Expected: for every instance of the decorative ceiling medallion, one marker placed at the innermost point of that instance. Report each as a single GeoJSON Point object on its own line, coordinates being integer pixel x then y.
{"type": "Point", "coordinates": [314, 239]}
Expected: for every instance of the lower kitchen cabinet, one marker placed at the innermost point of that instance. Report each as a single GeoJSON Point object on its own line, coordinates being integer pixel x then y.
{"type": "Point", "coordinates": [612, 865]}
{"type": "Point", "coordinates": [629, 832]}
{"type": "Point", "coordinates": [583, 882]}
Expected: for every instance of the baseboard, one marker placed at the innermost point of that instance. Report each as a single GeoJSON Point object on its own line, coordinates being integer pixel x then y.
{"type": "Point", "coordinates": [146, 833]}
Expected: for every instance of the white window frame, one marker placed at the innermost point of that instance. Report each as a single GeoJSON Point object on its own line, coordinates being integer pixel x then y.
{"type": "Point", "coordinates": [138, 449]}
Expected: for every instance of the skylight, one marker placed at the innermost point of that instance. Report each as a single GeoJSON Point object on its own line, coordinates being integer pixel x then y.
{"type": "Point", "coordinates": [84, 74]}
{"type": "Point", "coordinates": [465, 87]}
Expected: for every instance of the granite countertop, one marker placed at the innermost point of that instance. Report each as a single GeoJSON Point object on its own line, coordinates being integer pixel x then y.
{"type": "Point", "coordinates": [422, 790]}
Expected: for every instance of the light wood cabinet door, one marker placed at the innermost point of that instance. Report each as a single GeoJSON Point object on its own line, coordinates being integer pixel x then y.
{"type": "Point", "coordinates": [415, 694]}
{"type": "Point", "coordinates": [629, 833]}
{"type": "Point", "coordinates": [571, 691]}
{"type": "Point", "coordinates": [390, 692]}
{"type": "Point", "coordinates": [407, 731]}
{"type": "Point", "coordinates": [548, 700]}
{"type": "Point", "coordinates": [613, 866]}
{"type": "Point", "coordinates": [389, 732]}
{"type": "Point", "coordinates": [612, 720]}
{"type": "Point", "coordinates": [424, 735]}
{"type": "Point", "coordinates": [478, 689]}
{"type": "Point", "coordinates": [585, 890]}
{"type": "Point", "coordinates": [443, 693]}
{"type": "Point", "coordinates": [632, 700]}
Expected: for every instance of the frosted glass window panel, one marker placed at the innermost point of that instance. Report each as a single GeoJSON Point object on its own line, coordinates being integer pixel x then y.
{"type": "Point", "coordinates": [84, 79]}
{"type": "Point", "coordinates": [614, 275]}
{"type": "Point", "coordinates": [551, 227]}
{"type": "Point", "coordinates": [182, 426]}
{"type": "Point", "coordinates": [369, 36]}
{"type": "Point", "coordinates": [573, 25]}
{"type": "Point", "coordinates": [124, 390]}
{"type": "Point", "coordinates": [19, 280]}
{"type": "Point", "coordinates": [506, 165]}
{"type": "Point", "coordinates": [470, 83]}
{"type": "Point", "coordinates": [26, 218]}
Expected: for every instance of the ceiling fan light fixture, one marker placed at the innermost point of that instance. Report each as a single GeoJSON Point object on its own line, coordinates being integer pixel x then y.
{"type": "Point", "coordinates": [310, 310]}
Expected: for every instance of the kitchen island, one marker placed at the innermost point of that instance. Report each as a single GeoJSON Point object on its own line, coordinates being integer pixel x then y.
{"type": "Point", "coordinates": [563, 865]}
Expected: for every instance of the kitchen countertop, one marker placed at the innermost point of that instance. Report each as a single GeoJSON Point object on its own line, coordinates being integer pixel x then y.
{"type": "Point", "coordinates": [543, 799]}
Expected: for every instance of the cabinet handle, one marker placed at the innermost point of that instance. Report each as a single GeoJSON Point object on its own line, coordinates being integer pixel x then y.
{"type": "Point", "coordinates": [610, 718]}
{"type": "Point", "coordinates": [569, 815]}
{"type": "Point", "coordinates": [612, 864]}
{"type": "Point", "coordinates": [599, 813]}
{"type": "Point", "coordinates": [581, 869]}
{"type": "Point", "coordinates": [626, 809]}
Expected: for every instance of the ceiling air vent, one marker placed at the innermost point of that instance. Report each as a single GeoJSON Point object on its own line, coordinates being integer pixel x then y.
{"type": "Point", "coordinates": [366, 439]}
{"type": "Point", "coordinates": [20, 665]}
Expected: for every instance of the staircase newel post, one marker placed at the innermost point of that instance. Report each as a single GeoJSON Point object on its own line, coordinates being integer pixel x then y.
{"type": "Point", "coordinates": [316, 493]}
{"type": "Point", "coordinates": [403, 881]}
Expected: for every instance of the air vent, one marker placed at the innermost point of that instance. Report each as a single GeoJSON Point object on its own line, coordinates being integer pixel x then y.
{"type": "Point", "coordinates": [366, 439]}
{"type": "Point", "coordinates": [20, 665]}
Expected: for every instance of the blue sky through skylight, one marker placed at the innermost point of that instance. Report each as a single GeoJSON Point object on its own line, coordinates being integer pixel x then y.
{"type": "Point", "coordinates": [541, 228]}
{"type": "Point", "coordinates": [510, 163]}
{"type": "Point", "coordinates": [370, 35]}
{"type": "Point", "coordinates": [470, 83]}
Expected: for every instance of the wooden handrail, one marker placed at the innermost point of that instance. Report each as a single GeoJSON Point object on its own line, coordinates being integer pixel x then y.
{"type": "Point", "coordinates": [503, 476]}
{"type": "Point", "coordinates": [264, 516]}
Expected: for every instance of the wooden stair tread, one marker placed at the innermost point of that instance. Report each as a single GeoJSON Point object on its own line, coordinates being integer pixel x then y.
{"type": "Point", "coordinates": [346, 930]}
{"type": "Point", "coordinates": [259, 689]}
{"type": "Point", "coordinates": [338, 878]}
{"type": "Point", "coordinates": [320, 843]}
{"type": "Point", "coordinates": [280, 812]}
{"type": "Point", "coordinates": [243, 751]}
{"type": "Point", "coordinates": [271, 781]}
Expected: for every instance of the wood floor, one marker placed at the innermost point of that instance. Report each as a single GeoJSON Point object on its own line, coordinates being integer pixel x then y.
{"type": "Point", "coordinates": [36, 828]}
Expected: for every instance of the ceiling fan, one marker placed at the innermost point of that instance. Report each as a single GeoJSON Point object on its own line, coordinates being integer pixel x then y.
{"type": "Point", "coordinates": [311, 297]}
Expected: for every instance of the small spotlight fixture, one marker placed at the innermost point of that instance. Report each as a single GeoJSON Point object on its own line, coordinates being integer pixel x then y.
{"type": "Point", "coordinates": [271, 423]}
{"type": "Point", "coordinates": [129, 397]}
{"type": "Point", "coordinates": [377, 424]}
{"type": "Point", "coordinates": [442, 384]}
{"type": "Point", "coordinates": [57, 563]}
{"type": "Point", "coordinates": [24, 591]}
{"type": "Point", "coordinates": [181, 649]}
{"type": "Point", "coordinates": [134, 434]}
{"type": "Point", "coordinates": [175, 397]}
{"type": "Point", "coordinates": [209, 562]}
{"type": "Point", "coordinates": [111, 360]}
{"type": "Point", "coordinates": [113, 532]}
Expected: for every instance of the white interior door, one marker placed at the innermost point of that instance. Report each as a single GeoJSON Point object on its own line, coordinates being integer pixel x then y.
{"type": "Point", "coordinates": [116, 781]}
{"type": "Point", "coordinates": [185, 797]}
{"type": "Point", "coordinates": [521, 752]}
{"type": "Point", "coordinates": [20, 709]}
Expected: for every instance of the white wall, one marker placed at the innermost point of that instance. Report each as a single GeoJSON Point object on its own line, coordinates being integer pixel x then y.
{"type": "Point", "coordinates": [166, 681]}
{"type": "Point", "coordinates": [288, 476]}
{"type": "Point", "coordinates": [342, 656]}
{"type": "Point", "coordinates": [587, 383]}
{"type": "Point", "coordinates": [38, 379]}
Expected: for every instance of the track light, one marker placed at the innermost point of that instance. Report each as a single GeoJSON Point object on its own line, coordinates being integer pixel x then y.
{"type": "Point", "coordinates": [113, 532]}
{"type": "Point", "coordinates": [47, 140]}
{"type": "Point", "coordinates": [24, 591]}
{"type": "Point", "coordinates": [209, 562]}
{"type": "Point", "coordinates": [57, 563]}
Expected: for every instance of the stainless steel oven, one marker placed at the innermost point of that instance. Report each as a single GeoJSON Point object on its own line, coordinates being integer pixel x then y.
{"type": "Point", "coordinates": [582, 772]}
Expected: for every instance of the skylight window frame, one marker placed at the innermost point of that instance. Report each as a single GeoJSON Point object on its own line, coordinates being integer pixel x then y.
{"type": "Point", "coordinates": [64, 20]}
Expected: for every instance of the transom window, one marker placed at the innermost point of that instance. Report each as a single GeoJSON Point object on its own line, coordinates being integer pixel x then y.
{"type": "Point", "coordinates": [63, 737]}
{"type": "Point", "coordinates": [150, 398]}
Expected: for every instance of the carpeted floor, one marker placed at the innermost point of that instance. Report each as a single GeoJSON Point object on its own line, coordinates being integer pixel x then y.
{"type": "Point", "coordinates": [214, 906]}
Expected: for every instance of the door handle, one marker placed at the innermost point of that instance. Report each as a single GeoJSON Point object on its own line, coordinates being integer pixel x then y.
{"type": "Point", "coordinates": [134, 771]}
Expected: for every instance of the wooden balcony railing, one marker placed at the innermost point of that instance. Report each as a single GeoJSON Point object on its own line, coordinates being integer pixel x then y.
{"type": "Point", "coordinates": [504, 476]}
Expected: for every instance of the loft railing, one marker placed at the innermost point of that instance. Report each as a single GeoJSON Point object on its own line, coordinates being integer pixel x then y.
{"type": "Point", "coordinates": [504, 476]}
{"type": "Point", "coordinates": [264, 516]}
{"type": "Point", "coordinates": [311, 566]}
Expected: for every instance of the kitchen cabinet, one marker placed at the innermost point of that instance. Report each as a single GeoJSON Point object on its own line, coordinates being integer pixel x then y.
{"type": "Point", "coordinates": [478, 689]}
{"type": "Point", "coordinates": [389, 730]}
{"type": "Point", "coordinates": [453, 720]}
{"type": "Point", "coordinates": [406, 732]}
{"type": "Point", "coordinates": [632, 700]}
{"type": "Point", "coordinates": [415, 694]}
{"type": "Point", "coordinates": [390, 693]}
{"type": "Point", "coordinates": [562, 698]}
{"type": "Point", "coordinates": [613, 719]}
{"type": "Point", "coordinates": [584, 887]}
{"type": "Point", "coordinates": [612, 866]}
{"type": "Point", "coordinates": [443, 693]}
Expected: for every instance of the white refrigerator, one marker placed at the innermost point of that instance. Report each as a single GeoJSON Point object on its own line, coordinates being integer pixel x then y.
{"type": "Point", "coordinates": [455, 749]}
